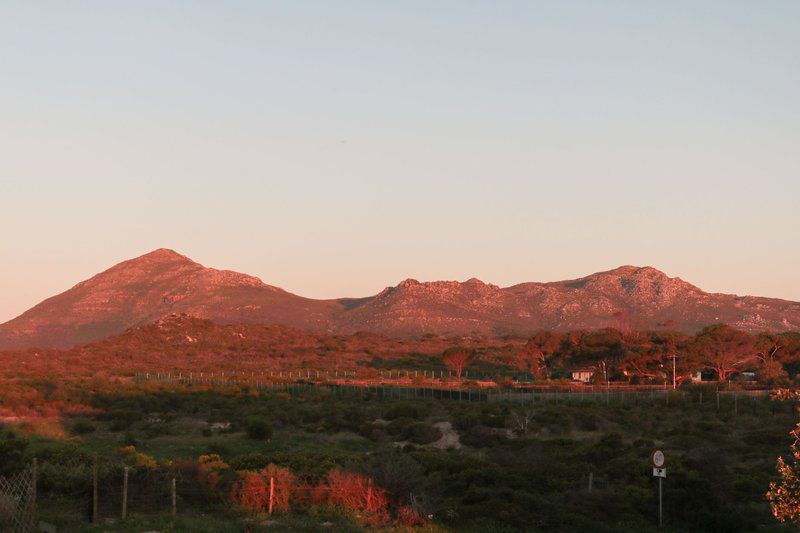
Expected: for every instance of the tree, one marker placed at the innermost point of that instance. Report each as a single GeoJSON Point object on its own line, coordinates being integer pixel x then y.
{"type": "Point", "coordinates": [724, 349]}
{"type": "Point", "coordinates": [602, 349]}
{"type": "Point", "coordinates": [457, 358]}
{"type": "Point", "coordinates": [768, 348]}
{"type": "Point", "coordinates": [521, 419]}
{"type": "Point", "coordinates": [536, 353]}
{"type": "Point", "coordinates": [789, 355]}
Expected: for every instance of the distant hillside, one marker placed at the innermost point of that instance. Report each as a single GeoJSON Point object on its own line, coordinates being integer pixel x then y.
{"type": "Point", "coordinates": [142, 290]}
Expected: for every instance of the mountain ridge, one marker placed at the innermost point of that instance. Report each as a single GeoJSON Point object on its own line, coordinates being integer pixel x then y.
{"type": "Point", "coordinates": [162, 282]}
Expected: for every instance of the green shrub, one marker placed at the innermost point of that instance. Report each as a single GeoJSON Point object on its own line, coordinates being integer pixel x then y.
{"type": "Point", "coordinates": [122, 419]}
{"type": "Point", "coordinates": [585, 421]}
{"type": "Point", "coordinates": [129, 440]}
{"type": "Point", "coordinates": [481, 437]}
{"type": "Point", "coordinates": [258, 428]}
{"type": "Point", "coordinates": [407, 410]}
{"type": "Point", "coordinates": [466, 420]}
{"type": "Point", "coordinates": [250, 461]}
{"type": "Point", "coordinates": [399, 427]}
{"type": "Point", "coordinates": [82, 427]}
{"type": "Point", "coordinates": [422, 433]}
{"type": "Point", "coordinates": [12, 450]}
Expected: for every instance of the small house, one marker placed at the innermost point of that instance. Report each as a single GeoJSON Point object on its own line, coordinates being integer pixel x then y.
{"type": "Point", "coordinates": [701, 376]}
{"type": "Point", "coordinates": [583, 375]}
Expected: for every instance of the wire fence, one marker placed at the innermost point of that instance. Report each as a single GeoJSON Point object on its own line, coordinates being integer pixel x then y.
{"type": "Point", "coordinates": [18, 502]}
{"type": "Point", "coordinates": [74, 492]}
{"type": "Point", "coordinates": [734, 400]}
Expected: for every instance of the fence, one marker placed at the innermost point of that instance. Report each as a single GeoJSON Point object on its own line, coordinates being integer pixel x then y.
{"type": "Point", "coordinates": [83, 490]}
{"type": "Point", "coordinates": [733, 400]}
{"type": "Point", "coordinates": [18, 502]}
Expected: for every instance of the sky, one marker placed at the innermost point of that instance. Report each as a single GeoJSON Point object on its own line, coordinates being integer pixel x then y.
{"type": "Point", "coordinates": [336, 148]}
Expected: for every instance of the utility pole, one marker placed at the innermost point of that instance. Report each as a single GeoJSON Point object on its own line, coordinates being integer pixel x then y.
{"type": "Point", "coordinates": [94, 491]}
{"type": "Point", "coordinates": [674, 381]}
{"type": "Point", "coordinates": [660, 505]}
{"type": "Point", "coordinates": [658, 459]}
{"type": "Point", "coordinates": [125, 493]}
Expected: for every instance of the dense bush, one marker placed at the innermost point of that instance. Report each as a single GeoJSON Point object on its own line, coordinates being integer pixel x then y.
{"type": "Point", "coordinates": [258, 428]}
{"type": "Point", "coordinates": [422, 433]}
{"type": "Point", "coordinates": [414, 410]}
{"type": "Point", "coordinates": [481, 437]}
{"type": "Point", "coordinates": [122, 419]}
{"type": "Point", "coordinates": [12, 451]}
{"type": "Point", "coordinates": [82, 426]}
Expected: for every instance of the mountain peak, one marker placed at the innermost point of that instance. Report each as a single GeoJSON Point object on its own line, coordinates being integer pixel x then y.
{"type": "Point", "coordinates": [633, 270]}
{"type": "Point", "coordinates": [161, 255]}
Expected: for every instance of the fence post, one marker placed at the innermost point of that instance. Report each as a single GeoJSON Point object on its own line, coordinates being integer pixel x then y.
{"type": "Point", "coordinates": [94, 491]}
{"type": "Point", "coordinates": [34, 478]}
{"type": "Point", "coordinates": [271, 493]}
{"type": "Point", "coordinates": [174, 498]}
{"type": "Point", "coordinates": [125, 493]}
{"type": "Point", "coordinates": [369, 493]}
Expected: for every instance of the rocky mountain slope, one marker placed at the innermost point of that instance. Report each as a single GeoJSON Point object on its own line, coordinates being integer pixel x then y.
{"type": "Point", "coordinates": [163, 282]}
{"type": "Point", "coordinates": [149, 287]}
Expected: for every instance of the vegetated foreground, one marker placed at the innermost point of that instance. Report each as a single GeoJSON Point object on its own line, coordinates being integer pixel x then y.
{"type": "Point", "coordinates": [455, 466]}
{"type": "Point", "coordinates": [362, 460]}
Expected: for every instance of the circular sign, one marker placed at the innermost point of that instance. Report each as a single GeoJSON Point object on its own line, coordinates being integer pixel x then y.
{"type": "Point", "coordinates": [658, 458]}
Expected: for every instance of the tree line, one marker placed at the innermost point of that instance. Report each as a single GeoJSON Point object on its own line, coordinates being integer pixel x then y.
{"type": "Point", "coordinates": [719, 352]}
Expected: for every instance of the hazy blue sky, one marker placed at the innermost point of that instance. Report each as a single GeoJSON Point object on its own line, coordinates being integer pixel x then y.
{"type": "Point", "coordinates": [334, 148]}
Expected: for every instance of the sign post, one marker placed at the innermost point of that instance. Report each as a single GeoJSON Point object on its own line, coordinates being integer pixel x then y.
{"type": "Point", "coordinates": [659, 459]}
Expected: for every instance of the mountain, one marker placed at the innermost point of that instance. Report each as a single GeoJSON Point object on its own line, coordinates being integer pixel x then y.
{"type": "Point", "coordinates": [149, 287]}
{"type": "Point", "coordinates": [163, 282]}
{"type": "Point", "coordinates": [626, 297]}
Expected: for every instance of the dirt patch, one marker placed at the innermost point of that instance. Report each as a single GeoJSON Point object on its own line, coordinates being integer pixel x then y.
{"type": "Point", "coordinates": [449, 437]}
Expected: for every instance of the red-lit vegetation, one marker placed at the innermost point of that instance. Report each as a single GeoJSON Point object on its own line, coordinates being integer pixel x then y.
{"type": "Point", "coordinates": [34, 380]}
{"type": "Point", "coordinates": [784, 494]}
{"type": "Point", "coordinates": [266, 491]}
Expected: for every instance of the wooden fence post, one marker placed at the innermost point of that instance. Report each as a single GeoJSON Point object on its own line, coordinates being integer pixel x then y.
{"type": "Point", "coordinates": [34, 481]}
{"type": "Point", "coordinates": [271, 493]}
{"type": "Point", "coordinates": [174, 498]}
{"type": "Point", "coordinates": [125, 493]}
{"type": "Point", "coordinates": [94, 490]}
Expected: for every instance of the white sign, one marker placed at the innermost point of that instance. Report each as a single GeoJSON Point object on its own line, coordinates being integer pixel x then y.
{"type": "Point", "coordinates": [659, 472]}
{"type": "Point", "coordinates": [658, 458]}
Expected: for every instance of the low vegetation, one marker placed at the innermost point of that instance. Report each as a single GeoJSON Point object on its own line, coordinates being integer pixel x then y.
{"type": "Point", "coordinates": [460, 466]}
{"type": "Point", "coordinates": [371, 460]}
